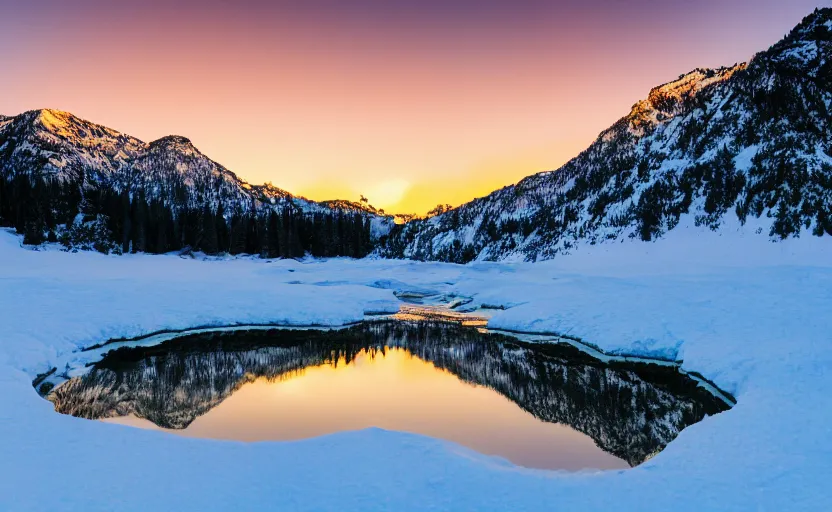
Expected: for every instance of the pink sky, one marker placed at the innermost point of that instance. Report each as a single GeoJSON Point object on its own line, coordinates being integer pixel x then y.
{"type": "Point", "coordinates": [409, 104]}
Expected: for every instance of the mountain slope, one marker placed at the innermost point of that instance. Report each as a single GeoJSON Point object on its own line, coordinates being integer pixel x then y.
{"type": "Point", "coordinates": [751, 141]}
{"type": "Point", "coordinates": [52, 143]}
{"type": "Point", "coordinates": [55, 167]}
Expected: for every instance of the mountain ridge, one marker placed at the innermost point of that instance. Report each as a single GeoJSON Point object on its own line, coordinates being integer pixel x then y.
{"type": "Point", "coordinates": [750, 140]}
{"type": "Point", "coordinates": [90, 185]}
{"type": "Point", "coordinates": [62, 124]}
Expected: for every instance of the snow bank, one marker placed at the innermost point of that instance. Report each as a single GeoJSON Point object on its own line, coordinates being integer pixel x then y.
{"type": "Point", "coordinates": [754, 319]}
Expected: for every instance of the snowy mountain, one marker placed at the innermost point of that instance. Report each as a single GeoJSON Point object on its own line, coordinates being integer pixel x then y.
{"type": "Point", "coordinates": [70, 166]}
{"type": "Point", "coordinates": [56, 144]}
{"type": "Point", "coordinates": [743, 148]}
{"type": "Point", "coordinates": [714, 148]}
{"type": "Point", "coordinates": [630, 413]}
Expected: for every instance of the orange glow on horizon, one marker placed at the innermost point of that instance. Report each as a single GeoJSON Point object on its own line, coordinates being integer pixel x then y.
{"type": "Point", "coordinates": [394, 390]}
{"type": "Point", "coordinates": [454, 188]}
{"type": "Point", "coordinates": [410, 104]}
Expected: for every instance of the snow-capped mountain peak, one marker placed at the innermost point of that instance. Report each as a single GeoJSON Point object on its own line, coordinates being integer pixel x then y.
{"type": "Point", "coordinates": [667, 100]}
{"type": "Point", "coordinates": [56, 121]}
{"type": "Point", "coordinates": [90, 169]}
{"type": "Point", "coordinates": [712, 148]}
{"type": "Point", "coordinates": [174, 142]}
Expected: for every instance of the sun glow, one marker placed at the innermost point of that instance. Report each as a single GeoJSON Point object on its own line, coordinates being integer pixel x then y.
{"type": "Point", "coordinates": [388, 194]}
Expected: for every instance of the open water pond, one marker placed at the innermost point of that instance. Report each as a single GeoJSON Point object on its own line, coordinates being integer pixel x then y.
{"type": "Point", "coordinates": [538, 405]}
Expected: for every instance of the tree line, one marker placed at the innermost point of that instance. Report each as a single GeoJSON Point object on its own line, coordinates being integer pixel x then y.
{"type": "Point", "coordinates": [92, 218]}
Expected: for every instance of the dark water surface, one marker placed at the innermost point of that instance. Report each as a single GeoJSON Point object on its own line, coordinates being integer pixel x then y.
{"type": "Point", "coordinates": [542, 406]}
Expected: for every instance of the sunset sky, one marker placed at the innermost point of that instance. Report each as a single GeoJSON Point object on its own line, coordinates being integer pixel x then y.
{"type": "Point", "coordinates": [409, 103]}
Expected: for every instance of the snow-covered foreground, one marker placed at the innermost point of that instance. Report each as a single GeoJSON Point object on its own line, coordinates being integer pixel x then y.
{"type": "Point", "coordinates": [754, 320]}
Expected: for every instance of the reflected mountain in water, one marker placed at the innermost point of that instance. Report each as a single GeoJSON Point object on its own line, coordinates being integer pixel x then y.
{"type": "Point", "coordinates": [630, 410]}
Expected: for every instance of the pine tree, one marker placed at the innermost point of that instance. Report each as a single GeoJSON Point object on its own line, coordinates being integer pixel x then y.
{"type": "Point", "coordinates": [4, 201]}
{"type": "Point", "coordinates": [34, 224]}
{"type": "Point", "coordinates": [139, 224]}
{"type": "Point", "coordinates": [127, 221]}
{"type": "Point", "coordinates": [163, 222]}
{"type": "Point", "coordinates": [252, 243]}
{"type": "Point", "coordinates": [274, 229]}
{"type": "Point", "coordinates": [33, 233]}
{"type": "Point", "coordinates": [208, 239]}
{"type": "Point", "coordinates": [263, 235]}
{"type": "Point", "coordinates": [236, 235]}
{"type": "Point", "coordinates": [223, 241]}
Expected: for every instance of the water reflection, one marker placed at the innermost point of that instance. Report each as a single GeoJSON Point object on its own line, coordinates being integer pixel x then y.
{"type": "Point", "coordinates": [537, 405]}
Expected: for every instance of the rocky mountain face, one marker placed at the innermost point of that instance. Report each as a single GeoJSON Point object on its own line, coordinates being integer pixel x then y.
{"type": "Point", "coordinates": [55, 167]}
{"type": "Point", "coordinates": [715, 148]}
{"type": "Point", "coordinates": [631, 412]}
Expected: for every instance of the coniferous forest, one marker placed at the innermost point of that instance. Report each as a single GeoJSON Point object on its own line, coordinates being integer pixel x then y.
{"type": "Point", "coordinates": [92, 218]}
{"type": "Point", "coordinates": [70, 181]}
